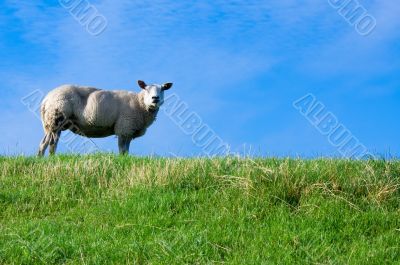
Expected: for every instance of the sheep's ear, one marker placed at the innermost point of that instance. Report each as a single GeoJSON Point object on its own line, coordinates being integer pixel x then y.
{"type": "Point", "coordinates": [142, 84]}
{"type": "Point", "coordinates": [167, 86]}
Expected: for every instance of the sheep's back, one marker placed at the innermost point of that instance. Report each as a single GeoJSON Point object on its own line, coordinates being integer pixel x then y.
{"type": "Point", "coordinates": [102, 108]}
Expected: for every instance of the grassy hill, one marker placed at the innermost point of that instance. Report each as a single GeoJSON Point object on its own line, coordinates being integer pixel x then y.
{"type": "Point", "coordinates": [105, 209]}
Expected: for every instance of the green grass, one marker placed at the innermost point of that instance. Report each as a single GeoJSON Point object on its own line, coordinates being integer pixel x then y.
{"type": "Point", "coordinates": [124, 210]}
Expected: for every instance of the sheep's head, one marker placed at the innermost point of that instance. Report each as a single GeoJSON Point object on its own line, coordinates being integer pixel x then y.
{"type": "Point", "coordinates": [154, 94]}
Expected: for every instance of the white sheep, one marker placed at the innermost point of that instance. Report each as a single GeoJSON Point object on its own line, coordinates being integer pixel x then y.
{"type": "Point", "coordinates": [97, 113]}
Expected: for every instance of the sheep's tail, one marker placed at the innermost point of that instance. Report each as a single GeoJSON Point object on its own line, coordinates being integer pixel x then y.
{"type": "Point", "coordinates": [43, 116]}
{"type": "Point", "coordinates": [52, 118]}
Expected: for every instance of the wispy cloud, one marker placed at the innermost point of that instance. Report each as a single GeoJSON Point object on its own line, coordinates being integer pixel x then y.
{"type": "Point", "coordinates": [240, 59]}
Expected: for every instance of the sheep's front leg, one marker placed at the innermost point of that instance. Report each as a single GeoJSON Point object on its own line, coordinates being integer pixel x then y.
{"type": "Point", "coordinates": [123, 144]}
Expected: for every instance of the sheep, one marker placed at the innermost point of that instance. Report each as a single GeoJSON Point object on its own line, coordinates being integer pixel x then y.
{"type": "Point", "coordinates": [96, 113]}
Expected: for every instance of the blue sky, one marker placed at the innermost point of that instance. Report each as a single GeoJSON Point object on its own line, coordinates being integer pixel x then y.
{"type": "Point", "coordinates": [238, 64]}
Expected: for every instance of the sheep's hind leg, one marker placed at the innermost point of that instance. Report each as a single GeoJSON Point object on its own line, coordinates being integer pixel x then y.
{"type": "Point", "coordinates": [54, 142]}
{"type": "Point", "coordinates": [44, 144]}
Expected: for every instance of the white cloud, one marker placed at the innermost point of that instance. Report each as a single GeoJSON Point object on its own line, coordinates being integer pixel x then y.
{"type": "Point", "coordinates": [206, 47]}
